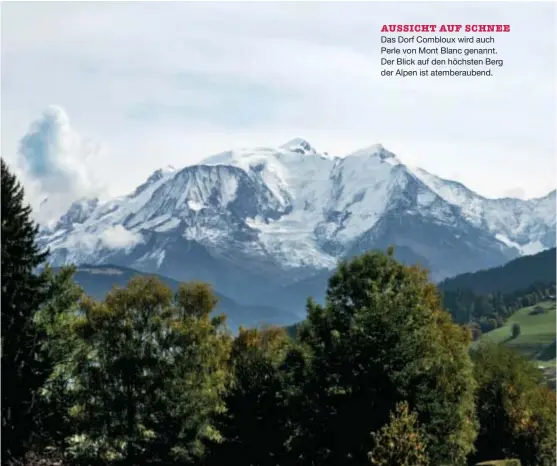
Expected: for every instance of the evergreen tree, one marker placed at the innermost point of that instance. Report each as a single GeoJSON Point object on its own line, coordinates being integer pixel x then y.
{"type": "Point", "coordinates": [54, 321]}
{"type": "Point", "coordinates": [23, 292]}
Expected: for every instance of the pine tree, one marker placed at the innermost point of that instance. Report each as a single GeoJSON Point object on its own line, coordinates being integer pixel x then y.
{"type": "Point", "coordinates": [23, 290]}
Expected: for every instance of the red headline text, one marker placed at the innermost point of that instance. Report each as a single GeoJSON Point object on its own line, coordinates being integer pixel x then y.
{"type": "Point", "coordinates": [446, 28]}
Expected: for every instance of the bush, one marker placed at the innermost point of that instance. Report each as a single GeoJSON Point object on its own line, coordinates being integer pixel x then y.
{"type": "Point", "coordinates": [515, 330]}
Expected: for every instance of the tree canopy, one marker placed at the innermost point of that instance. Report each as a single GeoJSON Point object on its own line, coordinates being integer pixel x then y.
{"type": "Point", "coordinates": [515, 410]}
{"type": "Point", "coordinates": [380, 374]}
{"type": "Point", "coordinates": [382, 338]}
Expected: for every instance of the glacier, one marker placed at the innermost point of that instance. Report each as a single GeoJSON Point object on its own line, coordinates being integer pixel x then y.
{"type": "Point", "coordinates": [259, 222]}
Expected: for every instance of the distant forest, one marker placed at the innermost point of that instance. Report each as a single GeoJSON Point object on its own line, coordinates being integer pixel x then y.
{"type": "Point", "coordinates": [519, 274]}
{"type": "Point", "coordinates": [485, 299]}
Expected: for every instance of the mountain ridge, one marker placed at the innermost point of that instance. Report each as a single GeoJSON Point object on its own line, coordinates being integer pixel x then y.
{"type": "Point", "coordinates": [255, 221]}
{"type": "Point", "coordinates": [539, 268]}
{"type": "Point", "coordinates": [98, 280]}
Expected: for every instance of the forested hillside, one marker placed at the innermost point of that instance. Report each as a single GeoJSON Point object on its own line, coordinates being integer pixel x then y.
{"type": "Point", "coordinates": [487, 298]}
{"type": "Point", "coordinates": [485, 312]}
{"type": "Point", "coordinates": [517, 275]}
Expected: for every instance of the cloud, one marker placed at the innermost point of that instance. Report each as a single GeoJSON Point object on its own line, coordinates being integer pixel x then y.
{"type": "Point", "coordinates": [55, 164]}
{"type": "Point", "coordinates": [172, 82]}
{"type": "Point", "coordinates": [118, 237]}
{"type": "Point", "coordinates": [113, 237]}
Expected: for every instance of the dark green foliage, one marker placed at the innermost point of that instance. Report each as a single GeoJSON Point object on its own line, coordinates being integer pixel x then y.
{"type": "Point", "coordinates": [23, 291]}
{"type": "Point", "coordinates": [292, 330]}
{"type": "Point", "coordinates": [538, 310]}
{"type": "Point", "coordinates": [255, 426]}
{"type": "Point", "coordinates": [44, 459]}
{"type": "Point", "coordinates": [383, 338]}
{"type": "Point", "coordinates": [548, 353]}
{"type": "Point", "coordinates": [145, 370]}
{"type": "Point", "coordinates": [483, 312]}
{"type": "Point", "coordinates": [400, 441]}
{"type": "Point", "coordinates": [52, 321]}
{"type": "Point", "coordinates": [490, 311]}
{"type": "Point", "coordinates": [519, 274]}
{"type": "Point", "coordinates": [516, 412]}
{"type": "Point", "coordinates": [378, 375]}
{"type": "Point", "coordinates": [485, 299]}
{"type": "Point", "coordinates": [515, 330]}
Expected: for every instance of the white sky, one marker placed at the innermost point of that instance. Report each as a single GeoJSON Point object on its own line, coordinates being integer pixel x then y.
{"type": "Point", "coordinates": [171, 83]}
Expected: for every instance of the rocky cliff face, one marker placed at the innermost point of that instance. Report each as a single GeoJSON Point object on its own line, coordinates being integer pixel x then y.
{"type": "Point", "coordinates": [257, 223]}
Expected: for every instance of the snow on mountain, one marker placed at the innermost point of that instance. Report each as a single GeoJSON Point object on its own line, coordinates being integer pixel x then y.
{"type": "Point", "coordinates": [91, 229]}
{"type": "Point", "coordinates": [327, 199]}
{"type": "Point", "coordinates": [253, 220]}
{"type": "Point", "coordinates": [526, 225]}
{"type": "Point", "coordinates": [299, 145]}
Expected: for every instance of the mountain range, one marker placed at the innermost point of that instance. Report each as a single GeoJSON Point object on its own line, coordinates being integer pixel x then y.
{"type": "Point", "coordinates": [98, 280]}
{"type": "Point", "coordinates": [267, 225]}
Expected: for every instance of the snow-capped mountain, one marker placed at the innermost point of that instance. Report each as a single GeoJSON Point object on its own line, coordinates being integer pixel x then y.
{"type": "Point", "coordinates": [258, 222]}
{"type": "Point", "coordinates": [528, 226]}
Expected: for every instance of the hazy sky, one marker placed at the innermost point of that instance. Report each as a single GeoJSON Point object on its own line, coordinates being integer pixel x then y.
{"type": "Point", "coordinates": [150, 84]}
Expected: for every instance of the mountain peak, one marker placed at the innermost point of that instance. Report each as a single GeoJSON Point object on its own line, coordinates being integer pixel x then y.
{"type": "Point", "coordinates": [158, 174]}
{"type": "Point", "coordinates": [377, 150]}
{"type": "Point", "coordinates": [299, 145]}
{"type": "Point", "coordinates": [155, 177]}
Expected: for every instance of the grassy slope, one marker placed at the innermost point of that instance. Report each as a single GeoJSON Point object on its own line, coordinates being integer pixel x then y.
{"type": "Point", "coordinates": [537, 332]}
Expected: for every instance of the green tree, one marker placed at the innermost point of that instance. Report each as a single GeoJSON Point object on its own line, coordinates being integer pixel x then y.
{"type": "Point", "coordinates": [515, 331]}
{"type": "Point", "coordinates": [382, 338]}
{"type": "Point", "coordinates": [146, 375]}
{"type": "Point", "coordinates": [58, 344]}
{"type": "Point", "coordinates": [400, 441]}
{"type": "Point", "coordinates": [23, 292]}
{"type": "Point", "coordinates": [255, 426]}
{"type": "Point", "coordinates": [516, 412]}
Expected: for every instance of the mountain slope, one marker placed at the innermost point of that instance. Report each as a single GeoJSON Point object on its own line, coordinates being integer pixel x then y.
{"type": "Point", "coordinates": [257, 223]}
{"type": "Point", "coordinates": [97, 281]}
{"type": "Point", "coordinates": [518, 274]}
{"type": "Point", "coordinates": [528, 226]}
